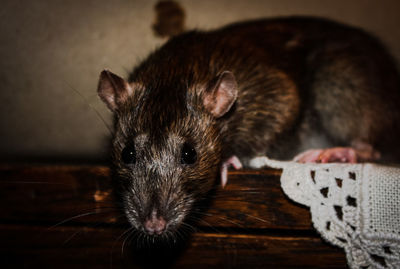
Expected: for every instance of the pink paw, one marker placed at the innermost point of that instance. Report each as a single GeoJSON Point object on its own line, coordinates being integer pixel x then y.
{"type": "Point", "coordinates": [331, 155]}
{"type": "Point", "coordinates": [235, 162]}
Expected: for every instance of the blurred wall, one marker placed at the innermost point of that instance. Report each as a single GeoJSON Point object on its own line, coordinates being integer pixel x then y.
{"type": "Point", "coordinates": [50, 49]}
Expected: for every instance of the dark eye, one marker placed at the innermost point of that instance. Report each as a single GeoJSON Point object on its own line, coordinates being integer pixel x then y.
{"type": "Point", "coordinates": [128, 155]}
{"type": "Point", "coordinates": [188, 155]}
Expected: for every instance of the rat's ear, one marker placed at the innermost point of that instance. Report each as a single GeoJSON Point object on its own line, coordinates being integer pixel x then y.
{"type": "Point", "coordinates": [221, 94]}
{"type": "Point", "coordinates": [113, 90]}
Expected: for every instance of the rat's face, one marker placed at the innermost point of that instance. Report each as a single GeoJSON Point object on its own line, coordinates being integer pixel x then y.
{"type": "Point", "coordinates": [166, 150]}
{"type": "Point", "coordinates": [163, 171]}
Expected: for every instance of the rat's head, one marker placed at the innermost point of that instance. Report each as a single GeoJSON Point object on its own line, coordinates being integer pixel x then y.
{"type": "Point", "coordinates": [166, 146]}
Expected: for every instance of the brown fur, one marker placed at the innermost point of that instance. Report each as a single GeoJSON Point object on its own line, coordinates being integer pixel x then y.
{"type": "Point", "coordinates": [297, 78]}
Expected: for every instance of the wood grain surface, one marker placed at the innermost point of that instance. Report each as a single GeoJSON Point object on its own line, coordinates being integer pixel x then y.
{"type": "Point", "coordinates": [63, 216]}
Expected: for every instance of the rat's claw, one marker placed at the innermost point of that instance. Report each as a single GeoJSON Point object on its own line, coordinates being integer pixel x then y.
{"type": "Point", "coordinates": [341, 155]}
{"type": "Point", "coordinates": [309, 156]}
{"type": "Point", "coordinates": [235, 162]}
{"type": "Point", "coordinates": [331, 155]}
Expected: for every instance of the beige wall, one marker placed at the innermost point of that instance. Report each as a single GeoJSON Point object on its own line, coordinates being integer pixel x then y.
{"type": "Point", "coordinates": [49, 46]}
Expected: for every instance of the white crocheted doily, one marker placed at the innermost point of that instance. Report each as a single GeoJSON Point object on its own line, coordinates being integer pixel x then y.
{"type": "Point", "coordinates": [353, 206]}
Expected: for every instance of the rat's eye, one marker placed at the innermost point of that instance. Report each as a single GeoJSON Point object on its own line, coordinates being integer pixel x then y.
{"type": "Point", "coordinates": [128, 155]}
{"type": "Point", "coordinates": [188, 154]}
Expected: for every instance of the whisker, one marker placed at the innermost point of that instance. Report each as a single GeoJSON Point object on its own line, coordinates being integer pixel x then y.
{"type": "Point", "coordinates": [92, 107]}
{"type": "Point", "coordinates": [140, 240]}
{"type": "Point", "coordinates": [206, 223]}
{"type": "Point", "coordinates": [254, 217]}
{"type": "Point", "coordinates": [76, 217]}
{"type": "Point", "coordinates": [132, 232]}
{"type": "Point", "coordinates": [72, 218]}
{"type": "Point", "coordinates": [35, 182]}
{"type": "Point", "coordinates": [77, 232]}
{"type": "Point", "coordinates": [179, 234]}
{"type": "Point", "coordinates": [222, 218]}
{"type": "Point", "coordinates": [191, 227]}
{"type": "Point", "coordinates": [119, 237]}
{"type": "Point", "coordinates": [72, 236]}
{"type": "Point", "coordinates": [134, 235]}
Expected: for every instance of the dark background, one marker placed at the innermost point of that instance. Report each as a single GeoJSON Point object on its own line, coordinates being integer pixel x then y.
{"type": "Point", "coordinates": [48, 47]}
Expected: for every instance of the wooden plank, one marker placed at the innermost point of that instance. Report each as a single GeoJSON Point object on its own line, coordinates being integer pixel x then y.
{"type": "Point", "coordinates": [85, 247]}
{"type": "Point", "coordinates": [82, 194]}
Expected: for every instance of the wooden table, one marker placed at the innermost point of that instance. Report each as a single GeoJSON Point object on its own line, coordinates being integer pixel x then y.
{"type": "Point", "coordinates": [62, 216]}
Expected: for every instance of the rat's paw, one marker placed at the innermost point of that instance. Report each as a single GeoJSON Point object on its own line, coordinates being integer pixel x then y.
{"type": "Point", "coordinates": [232, 161]}
{"type": "Point", "coordinates": [258, 162]}
{"type": "Point", "coordinates": [331, 155]}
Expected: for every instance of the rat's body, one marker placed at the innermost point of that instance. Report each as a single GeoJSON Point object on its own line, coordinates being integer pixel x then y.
{"type": "Point", "coordinates": [274, 87]}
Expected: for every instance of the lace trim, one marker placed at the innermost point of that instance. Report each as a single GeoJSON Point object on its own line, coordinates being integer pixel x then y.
{"type": "Point", "coordinates": [353, 206]}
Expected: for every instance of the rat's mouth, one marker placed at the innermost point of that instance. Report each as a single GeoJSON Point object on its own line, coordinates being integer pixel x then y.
{"type": "Point", "coordinates": [159, 219]}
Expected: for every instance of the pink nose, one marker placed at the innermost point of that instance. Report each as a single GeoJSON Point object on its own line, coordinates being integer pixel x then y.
{"type": "Point", "coordinates": [154, 224]}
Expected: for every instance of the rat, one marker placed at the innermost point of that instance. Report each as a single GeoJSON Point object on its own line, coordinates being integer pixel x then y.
{"type": "Point", "coordinates": [305, 88]}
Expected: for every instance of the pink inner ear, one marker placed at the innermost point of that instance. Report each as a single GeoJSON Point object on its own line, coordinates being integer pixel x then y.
{"type": "Point", "coordinates": [113, 90]}
{"type": "Point", "coordinates": [222, 95]}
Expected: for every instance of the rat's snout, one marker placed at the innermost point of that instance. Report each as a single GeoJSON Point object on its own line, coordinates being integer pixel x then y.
{"type": "Point", "coordinates": [155, 224]}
